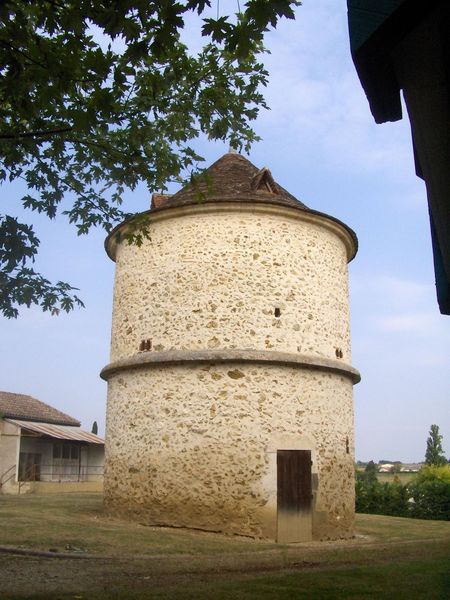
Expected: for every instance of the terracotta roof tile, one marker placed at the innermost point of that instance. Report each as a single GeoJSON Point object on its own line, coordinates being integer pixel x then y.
{"type": "Point", "coordinates": [159, 199]}
{"type": "Point", "coordinates": [232, 178]}
{"type": "Point", "coordinates": [20, 406]}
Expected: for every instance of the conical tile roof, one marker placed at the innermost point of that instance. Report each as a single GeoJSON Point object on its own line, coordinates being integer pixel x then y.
{"type": "Point", "coordinates": [231, 178]}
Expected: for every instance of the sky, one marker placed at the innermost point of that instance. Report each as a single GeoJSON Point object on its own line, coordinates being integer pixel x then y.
{"type": "Point", "coordinates": [320, 142]}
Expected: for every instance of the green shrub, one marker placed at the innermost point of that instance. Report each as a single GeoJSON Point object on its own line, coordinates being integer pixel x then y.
{"type": "Point", "coordinates": [434, 473]}
{"type": "Point", "coordinates": [426, 497]}
{"type": "Point", "coordinates": [430, 493]}
{"type": "Point", "coordinates": [377, 498]}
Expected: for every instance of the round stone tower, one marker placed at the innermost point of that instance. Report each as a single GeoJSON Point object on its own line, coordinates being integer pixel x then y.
{"type": "Point", "coordinates": [230, 383]}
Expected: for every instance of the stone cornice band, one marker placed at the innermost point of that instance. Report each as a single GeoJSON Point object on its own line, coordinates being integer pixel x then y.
{"type": "Point", "coordinates": [184, 357]}
{"type": "Point", "coordinates": [227, 205]}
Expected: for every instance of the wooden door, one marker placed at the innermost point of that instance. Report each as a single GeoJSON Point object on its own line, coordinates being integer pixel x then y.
{"type": "Point", "coordinates": [294, 496]}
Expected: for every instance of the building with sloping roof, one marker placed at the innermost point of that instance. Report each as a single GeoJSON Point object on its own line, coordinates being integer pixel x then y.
{"type": "Point", "coordinates": [404, 45]}
{"type": "Point", "coordinates": [230, 382]}
{"type": "Point", "coordinates": [40, 444]}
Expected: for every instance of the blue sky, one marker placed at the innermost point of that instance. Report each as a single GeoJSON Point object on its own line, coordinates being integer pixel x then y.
{"type": "Point", "coordinates": [321, 143]}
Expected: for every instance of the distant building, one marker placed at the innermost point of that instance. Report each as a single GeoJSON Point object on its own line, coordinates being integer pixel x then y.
{"type": "Point", "coordinates": [40, 444]}
{"type": "Point", "coordinates": [411, 467]}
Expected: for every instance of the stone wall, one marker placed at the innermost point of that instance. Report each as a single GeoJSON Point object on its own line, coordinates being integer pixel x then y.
{"type": "Point", "coordinates": [213, 279]}
{"type": "Point", "coordinates": [196, 446]}
{"type": "Point", "coordinates": [192, 443]}
{"type": "Point", "coordinates": [9, 453]}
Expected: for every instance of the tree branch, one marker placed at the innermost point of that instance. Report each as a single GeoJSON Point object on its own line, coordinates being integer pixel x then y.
{"type": "Point", "coordinates": [6, 44]}
{"type": "Point", "coordinates": [108, 151]}
{"type": "Point", "coordinates": [28, 134]}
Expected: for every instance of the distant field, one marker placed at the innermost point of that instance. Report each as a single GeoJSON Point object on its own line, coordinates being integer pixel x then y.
{"type": "Point", "coordinates": [389, 477]}
{"type": "Point", "coordinates": [66, 547]}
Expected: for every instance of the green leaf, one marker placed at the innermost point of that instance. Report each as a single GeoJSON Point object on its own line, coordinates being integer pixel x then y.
{"type": "Point", "coordinates": [84, 117]}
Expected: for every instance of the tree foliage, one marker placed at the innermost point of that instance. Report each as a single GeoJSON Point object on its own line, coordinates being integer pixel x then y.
{"type": "Point", "coordinates": [98, 96]}
{"type": "Point", "coordinates": [430, 493]}
{"type": "Point", "coordinates": [375, 497]}
{"type": "Point", "coordinates": [381, 498]}
{"type": "Point", "coordinates": [434, 454]}
{"type": "Point", "coordinates": [427, 496]}
{"type": "Point", "coordinates": [370, 472]}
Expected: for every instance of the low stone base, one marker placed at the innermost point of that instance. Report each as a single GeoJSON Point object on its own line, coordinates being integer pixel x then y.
{"type": "Point", "coordinates": [53, 487]}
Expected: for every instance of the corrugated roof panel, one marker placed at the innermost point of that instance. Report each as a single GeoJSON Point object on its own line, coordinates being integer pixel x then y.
{"type": "Point", "coordinates": [60, 432]}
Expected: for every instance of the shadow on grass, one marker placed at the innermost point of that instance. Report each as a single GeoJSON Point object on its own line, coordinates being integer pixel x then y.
{"type": "Point", "coordinates": [421, 580]}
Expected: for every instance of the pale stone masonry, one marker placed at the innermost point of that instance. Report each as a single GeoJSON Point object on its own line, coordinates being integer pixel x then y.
{"type": "Point", "coordinates": [231, 344]}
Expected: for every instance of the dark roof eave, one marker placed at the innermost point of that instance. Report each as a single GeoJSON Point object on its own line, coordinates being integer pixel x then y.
{"type": "Point", "coordinates": [373, 56]}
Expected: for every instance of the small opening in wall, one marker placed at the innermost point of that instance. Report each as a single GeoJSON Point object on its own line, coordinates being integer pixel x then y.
{"type": "Point", "coordinates": [347, 446]}
{"type": "Point", "coordinates": [145, 345]}
{"type": "Point", "coordinates": [277, 312]}
{"type": "Point", "coordinates": [339, 353]}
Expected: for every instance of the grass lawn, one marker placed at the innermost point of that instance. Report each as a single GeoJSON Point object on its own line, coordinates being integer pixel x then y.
{"type": "Point", "coordinates": [390, 557]}
{"type": "Point", "coordinates": [425, 580]}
